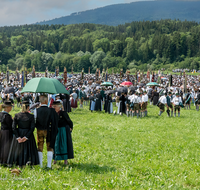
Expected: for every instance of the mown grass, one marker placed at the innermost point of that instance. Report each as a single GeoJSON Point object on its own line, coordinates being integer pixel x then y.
{"type": "Point", "coordinates": [116, 152]}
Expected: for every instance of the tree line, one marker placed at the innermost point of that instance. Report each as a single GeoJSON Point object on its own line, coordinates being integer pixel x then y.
{"type": "Point", "coordinates": [142, 45]}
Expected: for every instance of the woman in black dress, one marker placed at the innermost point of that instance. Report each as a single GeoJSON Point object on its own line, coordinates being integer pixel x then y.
{"type": "Point", "coordinates": [63, 146]}
{"type": "Point", "coordinates": [122, 105]}
{"type": "Point", "coordinates": [155, 97]}
{"type": "Point", "coordinates": [6, 133]}
{"type": "Point", "coordinates": [23, 149]}
{"type": "Point", "coordinates": [108, 104]}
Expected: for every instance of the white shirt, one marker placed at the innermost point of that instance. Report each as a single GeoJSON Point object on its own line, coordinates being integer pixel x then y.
{"type": "Point", "coordinates": [163, 99]}
{"type": "Point", "coordinates": [136, 99]}
{"type": "Point", "coordinates": [176, 100]}
{"type": "Point", "coordinates": [145, 98]}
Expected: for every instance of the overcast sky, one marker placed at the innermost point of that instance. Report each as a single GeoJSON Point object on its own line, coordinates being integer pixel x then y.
{"type": "Point", "coordinates": [17, 12]}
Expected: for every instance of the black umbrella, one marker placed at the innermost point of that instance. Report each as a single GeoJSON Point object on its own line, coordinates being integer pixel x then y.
{"type": "Point", "coordinates": [122, 89]}
{"type": "Point", "coordinates": [110, 91]}
{"type": "Point", "coordinates": [133, 88]}
{"type": "Point", "coordinates": [9, 90]}
{"type": "Point", "coordinates": [141, 84]}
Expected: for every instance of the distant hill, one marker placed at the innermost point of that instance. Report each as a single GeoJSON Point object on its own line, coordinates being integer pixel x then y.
{"type": "Point", "coordinates": [136, 11]}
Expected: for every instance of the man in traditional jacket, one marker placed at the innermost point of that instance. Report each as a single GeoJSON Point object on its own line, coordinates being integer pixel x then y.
{"type": "Point", "coordinates": [47, 126]}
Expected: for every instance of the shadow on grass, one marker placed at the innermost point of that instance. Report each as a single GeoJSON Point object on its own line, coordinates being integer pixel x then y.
{"type": "Point", "coordinates": [92, 168]}
{"type": "Point", "coordinates": [86, 167]}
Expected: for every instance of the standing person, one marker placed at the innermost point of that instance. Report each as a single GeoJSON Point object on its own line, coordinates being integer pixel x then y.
{"type": "Point", "coordinates": [197, 101]}
{"type": "Point", "coordinates": [98, 103]}
{"type": "Point", "coordinates": [81, 98]}
{"type": "Point", "coordinates": [149, 93]}
{"type": "Point", "coordinates": [23, 149]}
{"type": "Point", "coordinates": [144, 104]}
{"type": "Point", "coordinates": [188, 99]}
{"type": "Point", "coordinates": [128, 107]}
{"type": "Point", "coordinates": [6, 134]}
{"type": "Point", "coordinates": [66, 102]}
{"type": "Point", "coordinates": [103, 94]}
{"type": "Point", "coordinates": [169, 104]}
{"type": "Point", "coordinates": [122, 104]}
{"type": "Point", "coordinates": [136, 101]}
{"type": "Point", "coordinates": [18, 97]}
{"type": "Point", "coordinates": [74, 99]}
{"type": "Point", "coordinates": [108, 104]}
{"type": "Point", "coordinates": [155, 96]}
{"type": "Point", "coordinates": [176, 102]}
{"type": "Point", "coordinates": [162, 102]}
{"type": "Point", "coordinates": [92, 102]}
{"type": "Point", "coordinates": [46, 124]}
{"type": "Point", "coordinates": [63, 146]}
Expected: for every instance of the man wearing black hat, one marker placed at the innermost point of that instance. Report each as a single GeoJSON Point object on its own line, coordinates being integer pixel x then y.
{"type": "Point", "coordinates": [46, 124]}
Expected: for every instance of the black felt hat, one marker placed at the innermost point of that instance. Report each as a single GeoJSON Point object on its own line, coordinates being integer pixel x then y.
{"type": "Point", "coordinates": [56, 103]}
{"type": "Point", "coordinates": [7, 104]}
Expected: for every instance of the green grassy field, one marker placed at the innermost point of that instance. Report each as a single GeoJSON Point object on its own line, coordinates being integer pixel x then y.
{"type": "Point", "coordinates": [116, 152]}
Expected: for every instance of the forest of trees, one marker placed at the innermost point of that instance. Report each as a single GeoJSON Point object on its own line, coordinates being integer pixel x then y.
{"type": "Point", "coordinates": [140, 45]}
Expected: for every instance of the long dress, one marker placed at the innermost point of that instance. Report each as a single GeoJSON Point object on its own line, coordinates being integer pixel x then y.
{"type": "Point", "coordinates": [122, 105]}
{"type": "Point", "coordinates": [108, 104]}
{"type": "Point", "coordinates": [74, 100]}
{"type": "Point", "coordinates": [92, 103]}
{"type": "Point", "coordinates": [155, 97]}
{"type": "Point", "coordinates": [66, 102]}
{"type": "Point", "coordinates": [63, 146]}
{"type": "Point", "coordinates": [6, 136]}
{"type": "Point", "coordinates": [26, 152]}
{"type": "Point", "coordinates": [98, 103]}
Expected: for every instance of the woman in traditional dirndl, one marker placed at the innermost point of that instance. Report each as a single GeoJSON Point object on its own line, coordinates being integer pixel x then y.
{"type": "Point", "coordinates": [23, 148]}
{"type": "Point", "coordinates": [74, 99]}
{"type": "Point", "coordinates": [6, 134]}
{"type": "Point", "coordinates": [63, 146]}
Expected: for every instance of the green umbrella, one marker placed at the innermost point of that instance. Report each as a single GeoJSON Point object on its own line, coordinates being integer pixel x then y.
{"type": "Point", "coordinates": [44, 85]}
{"type": "Point", "coordinates": [59, 77]}
{"type": "Point", "coordinates": [152, 84]}
{"type": "Point", "coordinates": [106, 84]}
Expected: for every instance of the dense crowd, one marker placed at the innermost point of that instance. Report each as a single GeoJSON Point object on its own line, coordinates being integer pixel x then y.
{"type": "Point", "coordinates": [48, 113]}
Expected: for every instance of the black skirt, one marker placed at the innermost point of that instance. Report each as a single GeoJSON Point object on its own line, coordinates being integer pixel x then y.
{"type": "Point", "coordinates": [23, 153]}
{"type": "Point", "coordinates": [155, 100]}
{"type": "Point", "coordinates": [6, 137]}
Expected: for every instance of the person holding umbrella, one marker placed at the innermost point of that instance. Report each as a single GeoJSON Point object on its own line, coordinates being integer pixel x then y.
{"type": "Point", "coordinates": [46, 124]}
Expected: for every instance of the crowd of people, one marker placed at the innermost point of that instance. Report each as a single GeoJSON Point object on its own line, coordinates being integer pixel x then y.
{"type": "Point", "coordinates": [48, 113]}
{"type": "Point", "coordinates": [17, 141]}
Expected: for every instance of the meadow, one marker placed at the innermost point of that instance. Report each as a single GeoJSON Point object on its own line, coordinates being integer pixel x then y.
{"type": "Point", "coordinates": [116, 152]}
